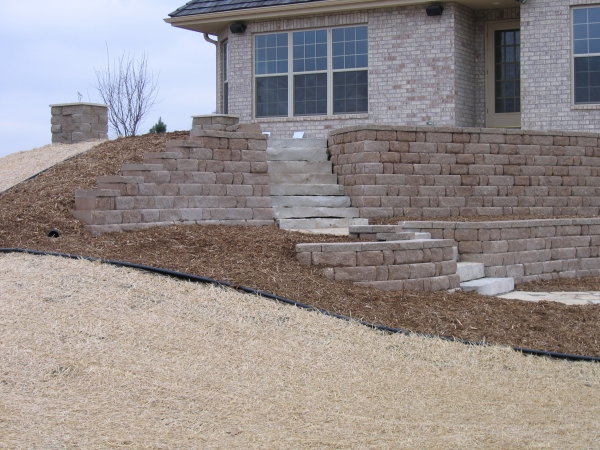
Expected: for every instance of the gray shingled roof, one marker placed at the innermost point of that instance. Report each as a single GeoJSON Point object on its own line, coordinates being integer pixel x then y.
{"type": "Point", "coordinates": [212, 6]}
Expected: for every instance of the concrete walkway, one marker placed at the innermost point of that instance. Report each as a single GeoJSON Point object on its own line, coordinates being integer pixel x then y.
{"type": "Point", "coordinates": [568, 298]}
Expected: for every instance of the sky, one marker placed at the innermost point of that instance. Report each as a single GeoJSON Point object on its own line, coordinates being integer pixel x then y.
{"type": "Point", "coordinates": [51, 50]}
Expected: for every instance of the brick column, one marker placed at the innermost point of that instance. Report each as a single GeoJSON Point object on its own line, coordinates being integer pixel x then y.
{"type": "Point", "coordinates": [77, 122]}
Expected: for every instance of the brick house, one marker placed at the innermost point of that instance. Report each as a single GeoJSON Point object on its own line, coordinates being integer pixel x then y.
{"type": "Point", "coordinates": [317, 65]}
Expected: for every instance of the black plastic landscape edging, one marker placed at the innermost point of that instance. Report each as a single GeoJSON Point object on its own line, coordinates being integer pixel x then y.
{"type": "Point", "coordinates": [198, 279]}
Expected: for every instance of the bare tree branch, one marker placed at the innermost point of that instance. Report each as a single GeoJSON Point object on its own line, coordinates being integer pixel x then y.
{"type": "Point", "coordinates": [129, 90]}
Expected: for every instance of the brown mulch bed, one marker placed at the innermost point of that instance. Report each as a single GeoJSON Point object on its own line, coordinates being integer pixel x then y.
{"type": "Point", "coordinates": [264, 258]}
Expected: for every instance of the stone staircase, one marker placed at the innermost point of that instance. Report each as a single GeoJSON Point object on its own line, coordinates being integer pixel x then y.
{"type": "Point", "coordinates": [472, 278]}
{"type": "Point", "coordinates": [304, 189]}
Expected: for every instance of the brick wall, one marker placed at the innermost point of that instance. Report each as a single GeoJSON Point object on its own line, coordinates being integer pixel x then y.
{"type": "Point", "coordinates": [546, 68]}
{"type": "Point", "coordinates": [443, 172]}
{"type": "Point", "coordinates": [413, 61]}
{"type": "Point", "coordinates": [218, 176]}
{"type": "Point", "coordinates": [528, 250]}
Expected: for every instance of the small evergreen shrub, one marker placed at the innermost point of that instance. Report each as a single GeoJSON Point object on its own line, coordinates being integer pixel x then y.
{"type": "Point", "coordinates": [159, 127]}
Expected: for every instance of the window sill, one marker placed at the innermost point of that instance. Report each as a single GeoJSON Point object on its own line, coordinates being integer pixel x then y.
{"type": "Point", "coordinates": [311, 118]}
{"type": "Point", "coordinates": [585, 107]}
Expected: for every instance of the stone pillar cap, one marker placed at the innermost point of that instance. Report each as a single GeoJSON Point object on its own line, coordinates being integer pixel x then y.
{"type": "Point", "coordinates": [78, 104]}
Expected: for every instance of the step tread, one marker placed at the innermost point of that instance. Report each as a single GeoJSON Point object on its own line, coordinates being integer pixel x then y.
{"type": "Point", "coordinates": [489, 286]}
{"type": "Point", "coordinates": [301, 167]}
{"type": "Point", "coordinates": [332, 201]}
{"type": "Point", "coordinates": [309, 224]}
{"type": "Point", "coordinates": [297, 154]}
{"type": "Point", "coordinates": [302, 178]}
{"type": "Point", "coordinates": [284, 212]}
{"type": "Point", "coordinates": [296, 143]}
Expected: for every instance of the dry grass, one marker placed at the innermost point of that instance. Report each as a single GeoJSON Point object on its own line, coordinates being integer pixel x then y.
{"type": "Point", "coordinates": [95, 356]}
{"type": "Point", "coordinates": [264, 258]}
{"type": "Point", "coordinates": [20, 166]}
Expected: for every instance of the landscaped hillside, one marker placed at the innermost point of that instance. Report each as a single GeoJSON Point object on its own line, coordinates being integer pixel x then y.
{"type": "Point", "coordinates": [264, 258]}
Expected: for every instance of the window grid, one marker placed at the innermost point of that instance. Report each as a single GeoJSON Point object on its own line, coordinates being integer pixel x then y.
{"type": "Point", "coordinates": [358, 102]}
{"type": "Point", "coordinates": [586, 55]}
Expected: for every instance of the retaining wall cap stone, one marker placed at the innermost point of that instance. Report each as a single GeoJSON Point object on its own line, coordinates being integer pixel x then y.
{"type": "Point", "coordinates": [229, 135]}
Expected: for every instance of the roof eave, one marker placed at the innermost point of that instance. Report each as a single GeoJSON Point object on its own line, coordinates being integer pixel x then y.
{"type": "Point", "coordinates": [212, 23]}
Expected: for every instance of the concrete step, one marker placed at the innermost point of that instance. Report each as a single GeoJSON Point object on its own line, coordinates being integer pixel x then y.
{"type": "Point", "coordinates": [296, 143]}
{"type": "Point", "coordinates": [297, 154]}
{"type": "Point", "coordinates": [282, 212]}
{"type": "Point", "coordinates": [468, 271]}
{"type": "Point", "coordinates": [305, 167]}
{"type": "Point", "coordinates": [310, 224]}
{"type": "Point", "coordinates": [402, 236]}
{"type": "Point", "coordinates": [489, 286]}
{"type": "Point", "coordinates": [302, 178]}
{"type": "Point", "coordinates": [306, 189]}
{"type": "Point", "coordinates": [330, 201]}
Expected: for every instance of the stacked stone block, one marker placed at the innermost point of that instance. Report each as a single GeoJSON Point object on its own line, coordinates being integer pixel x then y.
{"type": "Point", "coordinates": [215, 177]}
{"type": "Point", "coordinates": [435, 172]}
{"type": "Point", "coordinates": [527, 250]}
{"type": "Point", "coordinates": [77, 122]}
{"type": "Point", "coordinates": [424, 265]}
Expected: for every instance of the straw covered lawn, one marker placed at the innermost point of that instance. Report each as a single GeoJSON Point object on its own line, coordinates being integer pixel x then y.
{"type": "Point", "coordinates": [19, 166]}
{"type": "Point", "coordinates": [94, 356]}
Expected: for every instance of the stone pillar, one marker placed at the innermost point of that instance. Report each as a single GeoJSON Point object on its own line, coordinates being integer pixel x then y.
{"type": "Point", "coordinates": [77, 122]}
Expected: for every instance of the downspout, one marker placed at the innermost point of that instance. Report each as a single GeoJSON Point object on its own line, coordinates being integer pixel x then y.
{"type": "Point", "coordinates": [208, 39]}
{"type": "Point", "coordinates": [212, 41]}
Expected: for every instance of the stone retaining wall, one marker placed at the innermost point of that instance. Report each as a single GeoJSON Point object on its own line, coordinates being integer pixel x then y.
{"type": "Point", "coordinates": [439, 172]}
{"type": "Point", "coordinates": [215, 177]}
{"type": "Point", "coordinates": [77, 122]}
{"type": "Point", "coordinates": [393, 265]}
{"type": "Point", "coordinates": [527, 250]}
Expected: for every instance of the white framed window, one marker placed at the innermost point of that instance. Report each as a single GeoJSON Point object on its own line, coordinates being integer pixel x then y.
{"type": "Point", "coordinates": [311, 72]}
{"type": "Point", "coordinates": [225, 77]}
{"type": "Point", "coordinates": [586, 55]}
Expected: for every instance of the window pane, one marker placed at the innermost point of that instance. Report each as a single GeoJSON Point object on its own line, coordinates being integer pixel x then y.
{"type": "Point", "coordinates": [226, 98]}
{"type": "Point", "coordinates": [507, 71]}
{"type": "Point", "coordinates": [580, 16]}
{"type": "Point", "coordinates": [587, 79]}
{"type": "Point", "coordinates": [350, 92]}
{"type": "Point", "coordinates": [350, 42]}
{"type": "Point", "coordinates": [272, 96]}
{"type": "Point", "coordinates": [593, 15]}
{"type": "Point", "coordinates": [271, 54]}
{"type": "Point", "coordinates": [594, 46]}
{"type": "Point", "coordinates": [586, 30]}
{"type": "Point", "coordinates": [310, 50]}
{"type": "Point", "coordinates": [310, 94]}
{"type": "Point", "coordinates": [580, 47]}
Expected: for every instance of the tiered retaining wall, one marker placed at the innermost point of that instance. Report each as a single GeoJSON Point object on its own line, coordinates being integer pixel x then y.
{"type": "Point", "coordinates": [527, 250]}
{"type": "Point", "coordinates": [393, 265]}
{"type": "Point", "coordinates": [215, 177]}
{"type": "Point", "coordinates": [435, 172]}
